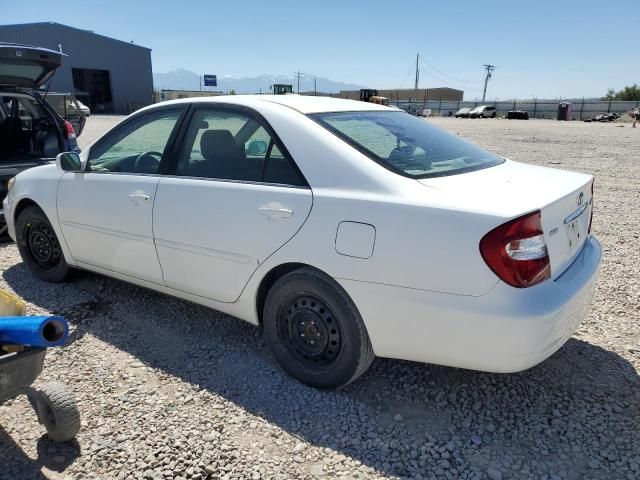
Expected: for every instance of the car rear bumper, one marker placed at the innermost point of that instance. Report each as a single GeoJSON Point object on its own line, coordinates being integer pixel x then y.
{"type": "Point", "coordinates": [507, 330]}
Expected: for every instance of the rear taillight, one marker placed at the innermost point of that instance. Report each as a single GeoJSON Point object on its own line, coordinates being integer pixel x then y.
{"type": "Point", "coordinates": [516, 251]}
{"type": "Point", "coordinates": [591, 215]}
{"type": "Point", "coordinates": [71, 133]}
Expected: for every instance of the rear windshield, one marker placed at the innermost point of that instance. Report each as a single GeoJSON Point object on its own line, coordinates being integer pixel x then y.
{"type": "Point", "coordinates": [405, 144]}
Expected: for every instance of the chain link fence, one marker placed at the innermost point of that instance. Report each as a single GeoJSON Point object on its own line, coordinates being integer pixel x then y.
{"type": "Point", "coordinates": [580, 109]}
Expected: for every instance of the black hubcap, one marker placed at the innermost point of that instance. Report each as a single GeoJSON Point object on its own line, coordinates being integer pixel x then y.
{"type": "Point", "coordinates": [43, 245]}
{"type": "Point", "coordinates": [310, 331]}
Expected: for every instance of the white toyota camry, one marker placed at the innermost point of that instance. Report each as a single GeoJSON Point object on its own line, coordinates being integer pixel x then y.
{"type": "Point", "coordinates": [346, 229]}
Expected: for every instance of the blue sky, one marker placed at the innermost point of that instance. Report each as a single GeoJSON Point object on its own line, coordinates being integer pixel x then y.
{"type": "Point", "coordinates": [542, 48]}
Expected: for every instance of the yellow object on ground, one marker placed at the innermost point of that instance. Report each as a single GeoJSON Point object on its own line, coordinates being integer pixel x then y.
{"type": "Point", "coordinates": [11, 305]}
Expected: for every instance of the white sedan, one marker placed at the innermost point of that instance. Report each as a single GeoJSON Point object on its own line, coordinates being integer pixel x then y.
{"type": "Point", "coordinates": [346, 229]}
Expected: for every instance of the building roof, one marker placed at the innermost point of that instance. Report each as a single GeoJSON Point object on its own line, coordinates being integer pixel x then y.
{"type": "Point", "coordinates": [85, 31]}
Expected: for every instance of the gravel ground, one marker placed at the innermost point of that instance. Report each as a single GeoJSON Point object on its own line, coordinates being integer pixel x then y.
{"type": "Point", "coordinates": [168, 389]}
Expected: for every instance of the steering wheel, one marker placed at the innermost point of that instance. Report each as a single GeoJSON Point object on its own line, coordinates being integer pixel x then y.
{"type": "Point", "coordinates": [147, 163]}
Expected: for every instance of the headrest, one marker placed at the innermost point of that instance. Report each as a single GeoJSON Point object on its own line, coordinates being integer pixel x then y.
{"type": "Point", "coordinates": [218, 144]}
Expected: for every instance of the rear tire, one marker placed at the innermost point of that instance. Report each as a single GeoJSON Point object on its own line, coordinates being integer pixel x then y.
{"type": "Point", "coordinates": [315, 331]}
{"type": "Point", "coordinates": [39, 246]}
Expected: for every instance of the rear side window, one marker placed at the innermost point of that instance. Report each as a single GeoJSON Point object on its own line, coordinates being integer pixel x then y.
{"type": "Point", "coordinates": [231, 145]}
{"type": "Point", "coordinates": [405, 144]}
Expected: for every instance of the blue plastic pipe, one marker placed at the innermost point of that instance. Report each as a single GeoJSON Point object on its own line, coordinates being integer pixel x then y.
{"type": "Point", "coordinates": [48, 331]}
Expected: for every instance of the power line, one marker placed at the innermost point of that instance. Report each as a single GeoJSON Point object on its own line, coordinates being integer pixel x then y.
{"type": "Point", "coordinates": [407, 76]}
{"type": "Point", "coordinates": [448, 84]}
{"type": "Point", "coordinates": [446, 75]}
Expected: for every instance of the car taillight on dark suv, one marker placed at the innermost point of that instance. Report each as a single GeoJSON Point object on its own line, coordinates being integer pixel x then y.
{"type": "Point", "coordinates": [517, 252]}
{"type": "Point", "coordinates": [71, 133]}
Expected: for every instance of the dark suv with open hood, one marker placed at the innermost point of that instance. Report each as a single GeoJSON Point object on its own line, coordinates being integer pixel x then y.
{"type": "Point", "coordinates": [31, 131]}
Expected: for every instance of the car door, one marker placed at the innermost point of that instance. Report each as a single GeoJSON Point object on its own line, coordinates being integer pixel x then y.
{"type": "Point", "coordinates": [234, 198]}
{"type": "Point", "coordinates": [106, 211]}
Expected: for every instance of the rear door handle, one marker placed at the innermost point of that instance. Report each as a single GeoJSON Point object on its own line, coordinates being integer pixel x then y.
{"type": "Point", "coordinates": [276, 212]}
{"type": "Point", "coordinates": [140, 196]}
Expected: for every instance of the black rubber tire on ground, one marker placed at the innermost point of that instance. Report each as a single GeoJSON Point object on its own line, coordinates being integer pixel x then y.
{"type": "Point", "coordinates": [307, 303]}
{"type": "Point", "coordinates": [39, 246]}
{"type": "Point", "coordinates": [58, 412]}
{"type": "Point", "coordinates": [493, 115]}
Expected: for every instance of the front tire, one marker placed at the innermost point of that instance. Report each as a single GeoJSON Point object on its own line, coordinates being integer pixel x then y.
{"type": "Point", "coordinates": [58, 412]}
{"type": "Point", "coordinates": [315, 331]}
{"type": "Point", "coordinates": [39, 246]}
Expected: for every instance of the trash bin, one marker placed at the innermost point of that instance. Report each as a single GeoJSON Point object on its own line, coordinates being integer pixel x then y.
{"type": "Point", "coordinates": [564, 111]}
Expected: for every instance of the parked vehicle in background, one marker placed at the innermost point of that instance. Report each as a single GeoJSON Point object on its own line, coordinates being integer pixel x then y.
{"type": "Point", "coordinates": [32, 133]}
{"type": "Point", "coordinates": [86, 110]}
{"type": "Point", "coordinates": [463, 112]}
{"type": "Point", "coordinates": [69, 108]}
{"type": "Point", "coordinates": [371, 95]}
{"type": "Point", "coordinates": [518, 115]}
{"type": "Point", "coordinates": [379, 100]}
{"type": "Point", "coordinates": [346, 229]}
{"type": "Point", "coordinates": [483, 111]}
{"type": "Point", "coordinates": [281, 89]}
{"type": "Point", "coordinates": [603, 117]}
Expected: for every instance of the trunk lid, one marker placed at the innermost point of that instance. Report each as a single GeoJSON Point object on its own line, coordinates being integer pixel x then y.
{"type": "Point", "coordinates": [513, 189]}
{"type": "Point", "coordinates": [27, 67]}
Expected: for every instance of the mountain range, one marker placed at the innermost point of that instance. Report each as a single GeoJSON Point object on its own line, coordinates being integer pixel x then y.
{"type": "Point", "coordinates": [181, 79]}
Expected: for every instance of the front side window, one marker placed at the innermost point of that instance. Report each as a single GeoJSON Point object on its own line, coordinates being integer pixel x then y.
{"type": "Point", "coordinates": [405, 144]}
{"type": "Point", "coordinates": [230, 145]}
{"type": "Point", "coordinates": [136, 147]}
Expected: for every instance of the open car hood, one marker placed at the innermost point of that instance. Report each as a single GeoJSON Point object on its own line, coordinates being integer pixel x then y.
{"type": "Point", "coordinates": [27, 67]}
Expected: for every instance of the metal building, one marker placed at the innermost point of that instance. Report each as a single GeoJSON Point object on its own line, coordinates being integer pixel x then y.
{"type": "Point", "coordinates": [109, 75]}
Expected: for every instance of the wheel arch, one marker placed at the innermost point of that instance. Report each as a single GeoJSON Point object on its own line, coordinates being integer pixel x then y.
{"type": "Point", "coordinates": [22, 205]}
{"type": "Point", "coordinates": [271, 278]}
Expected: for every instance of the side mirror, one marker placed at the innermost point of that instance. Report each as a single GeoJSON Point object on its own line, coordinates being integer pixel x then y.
{"type": "Point", "coordinates": [257, 147]}
{"type": "Point", "coordinates": [69, 162]}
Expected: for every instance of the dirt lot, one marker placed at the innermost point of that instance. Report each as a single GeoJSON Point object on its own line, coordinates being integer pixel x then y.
{"type": "Point", "coordinates": [168, 389]}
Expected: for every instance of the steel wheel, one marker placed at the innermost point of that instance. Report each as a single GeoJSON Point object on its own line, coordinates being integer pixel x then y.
{"type": "Point", "coordinates": [39, 246]}
{"type": "Point", "coordinates": [315, 331]}
{"type": "Point", "coordinates": [43, 245]}
{"type": "Point", "coordinates": [310, 331]}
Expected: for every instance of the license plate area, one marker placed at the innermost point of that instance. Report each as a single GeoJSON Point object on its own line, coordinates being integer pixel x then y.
{"type": "Point", "coordinates": [576, 226]}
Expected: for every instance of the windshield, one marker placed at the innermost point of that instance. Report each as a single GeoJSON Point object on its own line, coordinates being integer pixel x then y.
{"type": "Point", "coordinates": [405, 144]}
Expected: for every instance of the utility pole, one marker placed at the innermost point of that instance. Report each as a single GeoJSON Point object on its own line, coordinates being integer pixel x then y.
{"type": "Point", "coordinates": [417, 73]}
{"type": "Point", "coordinates": [299, 74]}
{"type": "Point", "coordinates": [490, 69]}
{"type": "Point", "coordinates": [315, 86]}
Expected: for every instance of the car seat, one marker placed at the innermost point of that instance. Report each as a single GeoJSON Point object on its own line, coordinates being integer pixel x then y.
{"type": "Point", "coordinates": [222, 158]}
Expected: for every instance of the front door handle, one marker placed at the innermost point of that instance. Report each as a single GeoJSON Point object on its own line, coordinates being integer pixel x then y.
{"type": "Point", "coordinates": [276, 212]}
